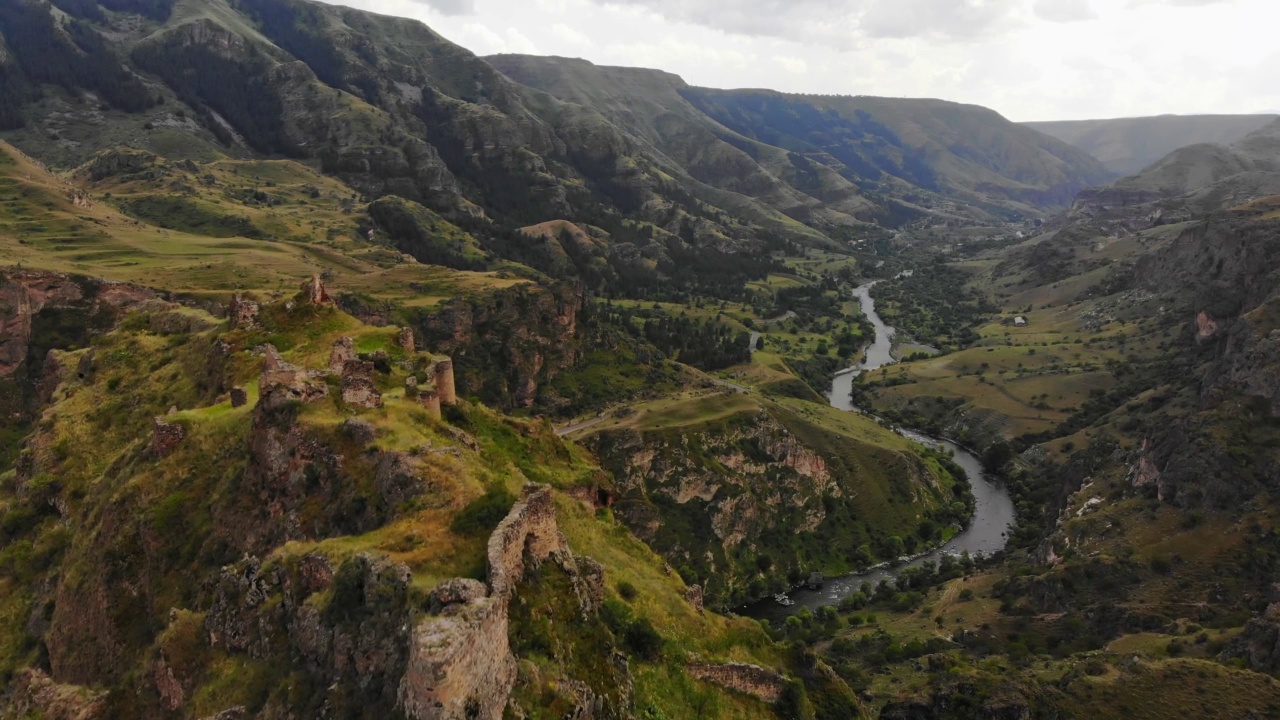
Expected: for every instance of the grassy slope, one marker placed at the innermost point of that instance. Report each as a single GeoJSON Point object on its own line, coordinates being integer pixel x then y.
{"type": "Point", "coordinates": [41, 228]}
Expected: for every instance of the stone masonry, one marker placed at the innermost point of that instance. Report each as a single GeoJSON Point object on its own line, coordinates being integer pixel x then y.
{"type": "Point", "coordinates": [460, 662]}
{"type": "Point", "coordinates": [760, 683]}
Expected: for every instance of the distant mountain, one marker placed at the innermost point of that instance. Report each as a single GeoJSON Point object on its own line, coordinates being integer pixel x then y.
{"type": "Point", "coordinates": [1129, 145]}
{"type": "Point", "coordinates": [1223, 174]}
{"type": "Point", "coordinates": [817, 158]}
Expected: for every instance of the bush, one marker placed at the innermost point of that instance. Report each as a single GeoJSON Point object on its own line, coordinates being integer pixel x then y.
{"type": "Point", "coordinates": [484, 513]}
{"type": "Point", "coordinates": [627, 591]}
{"type": "Point", "coordinates": [643, 640]}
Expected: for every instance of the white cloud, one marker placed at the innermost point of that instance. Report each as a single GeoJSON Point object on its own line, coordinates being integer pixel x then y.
{"type": "Point", "coordinates": [517, 42]}
{"type": "Point", "coordinates": [450, 7]}
{"type": "Point", "coordinates": [792, 64]}
{"type": "Point", "coordinates": [569, 35]}
{"type": "Point", "coordinates": [1027, 59]}
{"type": "Point", "coordinates": [1064, 10]}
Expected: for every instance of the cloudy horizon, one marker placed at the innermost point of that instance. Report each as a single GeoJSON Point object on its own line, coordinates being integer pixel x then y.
{"type": "Point", "coordinates": [1027, 59]}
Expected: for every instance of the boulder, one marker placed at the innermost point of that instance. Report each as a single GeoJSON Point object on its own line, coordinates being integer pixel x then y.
{"type": "Point", "coordinates": [239, 398]}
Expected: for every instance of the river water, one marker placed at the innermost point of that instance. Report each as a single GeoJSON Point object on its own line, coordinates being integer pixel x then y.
{"type": "Point", "coordinates": [993, 509]}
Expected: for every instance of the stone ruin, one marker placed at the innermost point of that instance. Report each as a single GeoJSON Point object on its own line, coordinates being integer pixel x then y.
{"type": "Point", "coordinates": [460, 662]}
{"type": "Point", "coordinates": [314, 292]}
{"type": "Point", "coordinates": [243, 312]}
{"type": "Point", "coordinates": [406, 340]}
{"type": "Point", "coordinates": [760, 683]}
{"type": "Point", "coordinates": [443, 371]}
{"type": "Point", "coordinates": [282, 382]}
{"type": "Point", "coordinates": [344, 351]}
{"type": "Point", "coordinates": [166, 437]}
{"type": "Point", "coordinates": [358, 388]}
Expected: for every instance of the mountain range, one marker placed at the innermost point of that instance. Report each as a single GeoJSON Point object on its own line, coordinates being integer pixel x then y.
{"type": "Point", "coordinates": [1129, 145]}
{"type": "Point", "coordinates": [347, 374]}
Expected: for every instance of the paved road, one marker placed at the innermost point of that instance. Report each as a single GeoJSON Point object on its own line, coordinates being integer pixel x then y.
{"type": "Point", "coordinates": [732, 386]}
{"type": "Point", "coordinates": [755, 340]}
{"type": "Point", "coordinates": [575, 427]}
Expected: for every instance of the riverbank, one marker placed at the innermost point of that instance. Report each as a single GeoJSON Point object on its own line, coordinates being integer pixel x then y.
{"type": "Point", "coordinates": [993, 508]}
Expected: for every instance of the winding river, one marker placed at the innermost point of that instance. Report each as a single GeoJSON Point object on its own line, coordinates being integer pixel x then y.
{"type": "Point", "coordinates": [993, 511]}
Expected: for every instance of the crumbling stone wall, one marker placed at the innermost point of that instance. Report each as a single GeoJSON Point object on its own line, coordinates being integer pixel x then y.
{"type": "Point", "coordinates": [460, 662]}
{"type": "Point", "coordinates": [760, 683]}
{"type": "Point", "coordinates": [529, 529]}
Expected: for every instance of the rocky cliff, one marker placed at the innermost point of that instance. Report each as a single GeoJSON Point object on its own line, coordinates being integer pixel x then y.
{"type": "Point", "coordinates": [168, 534]}
{"type": "Point", "coordinates": [725, 503]}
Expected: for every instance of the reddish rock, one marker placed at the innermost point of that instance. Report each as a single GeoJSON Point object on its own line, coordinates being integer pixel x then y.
{"type": "Point", "coordinates": [314, 292]}
{"type": "Point", "coordinates": [693, 595]}
{"type": "Point", "coordinates": [316, 572]}
{"type": "Point", "coordinates": [1206, 327]}
{"type": "Point", "coordinates": [23, 294]}
{"type": "Point", "coordinates": [165, 437]}
{"type": "Point", "coordinates": [406, 340]}
{"type": "Point", "coordinates": [172, 696]}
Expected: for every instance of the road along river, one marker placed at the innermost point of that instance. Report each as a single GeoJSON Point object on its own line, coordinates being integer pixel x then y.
{"type": "Point", "coordinates": [993, 511]}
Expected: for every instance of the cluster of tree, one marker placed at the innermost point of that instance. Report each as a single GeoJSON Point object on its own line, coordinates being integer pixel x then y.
{"type": "Point", "coordinates": [934, 305]}
{"type": "Point", "coordinates": [704, 344]}
{"type": "Point", "coordinates": [74, 57]}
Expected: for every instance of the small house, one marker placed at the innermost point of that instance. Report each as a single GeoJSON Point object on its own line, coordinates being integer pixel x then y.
{"type": "Point", "coordinates": [1020, 321]}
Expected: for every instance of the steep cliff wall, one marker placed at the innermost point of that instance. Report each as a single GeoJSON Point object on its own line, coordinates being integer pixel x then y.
{"type": "Point", "coordinates": [506, 345]}
{"type": "Point", "coordinates": [750, 505]}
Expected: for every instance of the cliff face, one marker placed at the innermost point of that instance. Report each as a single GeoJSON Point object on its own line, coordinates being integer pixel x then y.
{"type": "Point", "coordinates": [748, 504]}
{"type": "Point", "coordinates": [190, 554]}
{"type": "Point", "coordinates": [508, 344]}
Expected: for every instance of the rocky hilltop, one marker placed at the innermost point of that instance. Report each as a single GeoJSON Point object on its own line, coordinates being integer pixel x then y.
{"type": "Point", "coordinates": [290, 513]}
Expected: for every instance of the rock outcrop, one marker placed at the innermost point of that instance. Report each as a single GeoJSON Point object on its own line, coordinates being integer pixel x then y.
{"type": "Point", "coordinates": [508, 343]}
{"type": "Point", "coordinates": [1259, 643]}
{"type": "Point", "coordinates": [36, 695]}
{"type": "Point", "coordinates": [25, 295]}
{"type": "Point", "coordinates": [760, 683]}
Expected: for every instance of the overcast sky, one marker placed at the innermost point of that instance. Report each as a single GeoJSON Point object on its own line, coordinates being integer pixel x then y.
{"type": "Point", "coordinates": [1028, 59]}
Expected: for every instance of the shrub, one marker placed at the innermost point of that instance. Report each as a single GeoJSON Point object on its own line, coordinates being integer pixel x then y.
{"type": "Point", "coordinates": [643, 640]}
{"type": "Point", "coordinates": [627, 591]}
{"type": "Point", "coordinates": [484, 513]}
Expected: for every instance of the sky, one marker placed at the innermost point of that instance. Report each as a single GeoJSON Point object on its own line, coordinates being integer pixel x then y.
{"type": "Point", "coordinates": [1027, 59]}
